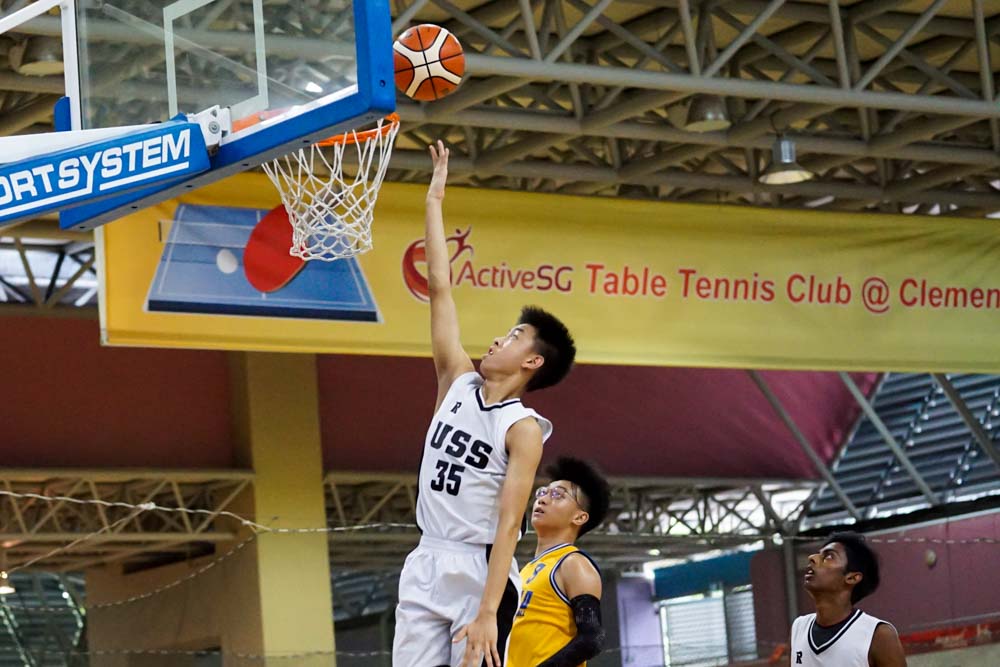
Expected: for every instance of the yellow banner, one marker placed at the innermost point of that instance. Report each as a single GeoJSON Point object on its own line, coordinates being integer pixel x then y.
{"type": "Point", "coordinates": [637, 282]}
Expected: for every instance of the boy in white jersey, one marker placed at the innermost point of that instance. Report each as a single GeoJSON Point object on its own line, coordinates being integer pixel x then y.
{"type": "Point", "coordinates": [459, 588]}
{"type": "Point", "coordinates": [838, 635]}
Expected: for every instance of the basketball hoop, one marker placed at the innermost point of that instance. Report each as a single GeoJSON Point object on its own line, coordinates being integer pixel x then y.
{"type": "Point", "coordinates": [331, 213]}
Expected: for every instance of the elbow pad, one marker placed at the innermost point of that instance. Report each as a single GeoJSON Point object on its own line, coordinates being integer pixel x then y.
{"type": "Point", "coordinates": [589, 639]}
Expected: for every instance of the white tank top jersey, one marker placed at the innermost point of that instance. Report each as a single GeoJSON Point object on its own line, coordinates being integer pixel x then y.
{"type": "Point", "coordinates": [464, 463]}
{"type": "Point", "coordinates": [847, 648]}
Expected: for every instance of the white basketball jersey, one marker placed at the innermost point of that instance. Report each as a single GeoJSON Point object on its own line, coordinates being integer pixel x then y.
{"type": "Point", "coordinates": [464, 463]}
{"type": "Point", "coordinates": [847, 648]}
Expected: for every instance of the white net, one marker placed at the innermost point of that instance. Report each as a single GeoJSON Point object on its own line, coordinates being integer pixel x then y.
{"type": "Point", "coordinates": [330, 211]}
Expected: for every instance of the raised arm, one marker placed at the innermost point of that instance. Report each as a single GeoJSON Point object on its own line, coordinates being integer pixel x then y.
{"type": "Point", "coordinates": [450, 359]}
{"type": "Point", "coordinates": [524, 451]}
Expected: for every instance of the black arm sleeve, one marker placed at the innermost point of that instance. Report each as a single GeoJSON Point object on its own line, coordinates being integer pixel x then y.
{"type": "Point", "coordinates": [589, 639]}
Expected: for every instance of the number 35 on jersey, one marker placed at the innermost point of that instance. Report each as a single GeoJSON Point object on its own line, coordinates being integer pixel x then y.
{"type": "Point", "coordinates": [458, 451]}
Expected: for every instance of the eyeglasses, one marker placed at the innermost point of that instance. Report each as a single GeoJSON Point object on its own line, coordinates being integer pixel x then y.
{"type": "Point", "coordinates": [555, 493]}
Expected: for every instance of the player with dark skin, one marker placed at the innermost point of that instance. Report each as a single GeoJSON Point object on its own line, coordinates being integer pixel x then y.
{"type": "Point", "coordinates": [832, 584]}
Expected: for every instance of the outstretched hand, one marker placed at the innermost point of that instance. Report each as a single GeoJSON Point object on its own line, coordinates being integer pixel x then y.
{"type": "Point", "coordinates": [481, 642]}
{"type": "Point", "coordinates": [439, 156]}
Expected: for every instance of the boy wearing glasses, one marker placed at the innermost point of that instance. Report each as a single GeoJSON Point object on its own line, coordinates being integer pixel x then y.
{"type": "Point", "coordinates": [558, 623]}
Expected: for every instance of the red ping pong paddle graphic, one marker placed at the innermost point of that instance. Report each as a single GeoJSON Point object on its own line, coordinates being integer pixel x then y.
{"type": "Point", "coordinates": [266, 261]}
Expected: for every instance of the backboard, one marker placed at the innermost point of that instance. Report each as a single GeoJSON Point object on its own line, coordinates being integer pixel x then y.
{"type": "Point", "coordinates": [310, 69]}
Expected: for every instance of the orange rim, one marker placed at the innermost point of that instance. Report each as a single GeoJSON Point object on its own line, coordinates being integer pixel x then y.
{"type": "Point", "coordinates": [347, 138]}
{"type": "Point", "coordinates": [350, 138]}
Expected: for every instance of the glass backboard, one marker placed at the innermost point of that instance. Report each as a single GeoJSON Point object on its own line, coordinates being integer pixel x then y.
{"type": "Point", "coordinates": [301, 70]}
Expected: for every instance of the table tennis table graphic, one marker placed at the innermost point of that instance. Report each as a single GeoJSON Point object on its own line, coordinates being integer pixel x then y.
{"type": "Point", "coordinates": [201, 271]}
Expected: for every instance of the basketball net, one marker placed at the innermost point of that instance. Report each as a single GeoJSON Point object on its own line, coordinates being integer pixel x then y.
{"type": "Point", "coordinates": [331, 213]}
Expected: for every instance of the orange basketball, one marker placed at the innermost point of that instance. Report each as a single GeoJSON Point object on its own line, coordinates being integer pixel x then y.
{"type": "Point", "coordinates": [429, 62]}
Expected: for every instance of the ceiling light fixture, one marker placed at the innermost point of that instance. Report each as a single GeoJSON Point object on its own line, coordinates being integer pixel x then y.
{"type": "Point", "coordinates": [37, 56]}
{"type": "Point", "coordinates": [784, 169]}
{"type": "Point", "coordinates": [6, 587]}
{"type": "Point", "coordinates": [707, 113]}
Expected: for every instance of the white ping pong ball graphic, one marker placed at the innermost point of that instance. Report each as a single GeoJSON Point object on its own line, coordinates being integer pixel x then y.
{"type": "Point", "coordinates": [226, 261]}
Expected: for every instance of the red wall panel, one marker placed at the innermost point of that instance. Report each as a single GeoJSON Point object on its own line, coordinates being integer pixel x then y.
{"type": "Point", "coordinates": [961, 588]}
{"type": "Point", "coordinates": [67, 401]}
{"type": "Point", "coordinates": [913, 595]}
{"type": "Point", "coordinates": [374, 411]}
{"type": "Point", "coordinates": [639, 421]}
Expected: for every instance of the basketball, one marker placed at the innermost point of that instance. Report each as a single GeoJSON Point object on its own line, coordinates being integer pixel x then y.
{"type": "Point", "coordinates": [429, 62]}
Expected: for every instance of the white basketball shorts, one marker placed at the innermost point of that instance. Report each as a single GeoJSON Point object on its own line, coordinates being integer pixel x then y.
{"type": "Point", "coordinates": [440, 588]}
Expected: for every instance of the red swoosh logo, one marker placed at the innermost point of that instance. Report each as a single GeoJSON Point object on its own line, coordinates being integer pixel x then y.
{"type": "Point", "coordinates": [416, 253]}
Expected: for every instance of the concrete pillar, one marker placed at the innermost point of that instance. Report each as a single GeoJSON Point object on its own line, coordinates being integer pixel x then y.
{"type": "Point", "coordinates": [277, 420]}
{"type": "Point", "coordinates": [272, 595]}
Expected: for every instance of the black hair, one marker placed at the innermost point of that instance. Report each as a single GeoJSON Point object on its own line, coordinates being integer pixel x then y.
{"type": "Point", "coordinates": [596, 490]}
{"type": "Point", "coordinates": [554, 342]}
{"type": "Point", "coordinates": [860, 558]}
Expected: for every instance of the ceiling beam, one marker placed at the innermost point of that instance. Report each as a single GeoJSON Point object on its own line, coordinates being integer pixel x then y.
{"type": "Point", "coordinates": [677, 178]}
{"type": "Point", "coordinates": [683, 83]}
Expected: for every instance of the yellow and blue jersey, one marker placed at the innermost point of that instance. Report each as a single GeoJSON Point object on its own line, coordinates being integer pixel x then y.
{"type": "Point", "coordinates": [544, 620]}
